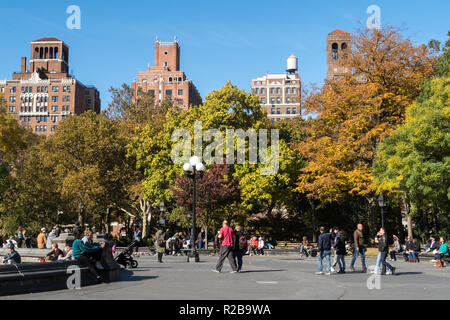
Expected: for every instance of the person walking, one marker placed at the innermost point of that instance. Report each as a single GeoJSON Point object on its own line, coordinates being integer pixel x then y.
{"type": "Point", "coordinates": [324, 248]}
{"type": "Point", "coordinates": [201, 239]}
{"type": "Point", "coordinates": [160, 244]}
{"type": "Point", "coordinates": [383, 248]}
{"type": "Point", "coordinates": [226, 234]}
{"type": "Point", "coordinates": [137, 237]}
{"type": "Point", "coordinates": [378, 263]}
{"type": "Point", "coordinates": [240, 247]}
{"type": "Point", "coordinates": [340, 250]}
{"type": "Point", "coordinates": [359, 247]}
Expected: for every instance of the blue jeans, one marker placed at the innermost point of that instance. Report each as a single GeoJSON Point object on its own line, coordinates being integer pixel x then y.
{"type": "Point", "coordinates": [363, 257]}
{"type": "Point", "coordinates": [201, 244]}
{"type": "Point", "coordinates": [324, 254]}
{"type": "Point", "coordinates": [341, 262]}
{"type": "Point", "coordinates": [414, 255]}
{"type": "Point", "coordinates": [377, 267]}
{"type": "Point", "coordinates": [269, 246]}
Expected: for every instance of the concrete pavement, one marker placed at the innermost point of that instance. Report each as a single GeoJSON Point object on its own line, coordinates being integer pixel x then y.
{"type": "Point", "coordinates": [275, 277]}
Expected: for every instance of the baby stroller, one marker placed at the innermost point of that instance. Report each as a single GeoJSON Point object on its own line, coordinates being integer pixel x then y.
{"type": "Point", "coordinates": [124, 258]}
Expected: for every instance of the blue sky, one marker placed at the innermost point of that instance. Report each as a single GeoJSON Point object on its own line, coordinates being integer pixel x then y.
{"type": "Point", "coordinates": [220, 40]}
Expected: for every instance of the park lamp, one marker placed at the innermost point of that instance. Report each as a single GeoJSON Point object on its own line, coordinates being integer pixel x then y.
{"type": "Point", "coordinates": [381, 200]}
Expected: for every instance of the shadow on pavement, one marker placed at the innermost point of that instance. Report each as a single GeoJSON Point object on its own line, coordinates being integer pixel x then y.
{"type": "Point", "coordinates": [251, 271]}
{"type": "Point", "coordinates": [127, 275]}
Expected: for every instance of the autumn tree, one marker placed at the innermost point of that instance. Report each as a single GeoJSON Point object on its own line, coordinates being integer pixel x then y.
{"type": "Point", "coordinates": [87, 154]}
{"type": "Point", "coordinates": [357, 112]}
{"type": "Point", "coordinates": [215, 190]}
{"type": "Point", "coordinates": [413, 164]}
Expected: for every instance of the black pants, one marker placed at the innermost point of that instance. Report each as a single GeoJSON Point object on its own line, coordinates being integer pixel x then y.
{"type": "Point", "coordinates": [160, 255]}
{"type": "Point", "coordinates": [226, 252]}
{"type": "Point", "coordinates": [385, 264]}
{"type": "Point", "coordinates": [393, 255]}
{"type": "Point", "coordinates": [89, 259]}
{"type": "Point", "coordinates": [238, 259]}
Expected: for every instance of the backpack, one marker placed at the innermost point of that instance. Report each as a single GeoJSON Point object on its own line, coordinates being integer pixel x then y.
{"type": "Point", "coordinates": [243, 245]}
{"type": "Point", "coordinates": [161, 241]}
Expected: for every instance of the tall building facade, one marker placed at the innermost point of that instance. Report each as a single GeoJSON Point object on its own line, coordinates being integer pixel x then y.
{"type": "Point", "coordinates": [280, 93]}
{"type": "Point", "coordinates": [165, 80]}
{"type": "Point", "coordinates": [43, 95]}
{"type": "Point", "coordinates": [338, 45]}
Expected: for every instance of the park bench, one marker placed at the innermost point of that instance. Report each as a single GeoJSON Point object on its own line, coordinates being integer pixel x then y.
{"type": "Point", "coordinates": [38, 277]}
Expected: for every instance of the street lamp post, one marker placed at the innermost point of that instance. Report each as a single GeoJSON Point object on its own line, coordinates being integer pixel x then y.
{"type": "Point", "coordinates": [162, 218]}
{"type": "Point", "coordinates": [382, 204]}
{"type": "Point", "coordinates": [194, 169]}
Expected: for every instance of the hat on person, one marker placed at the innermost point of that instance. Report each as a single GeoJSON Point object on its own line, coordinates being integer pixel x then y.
{"type": "Point", "coordinates": [43, 229]}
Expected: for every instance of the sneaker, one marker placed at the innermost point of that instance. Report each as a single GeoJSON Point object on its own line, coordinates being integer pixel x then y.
{"type": "Point", "coordinates": [352, 269]}
{"type": "Point", "coordinates": [433, 260]}
{"type": "Point", "coordinates": [233, 272]}
{"type": "Point", "coordinates": [364, 269]}
{"type": "Point", "coordinates": [320, 272]}
{"type": "Point", "coordinates": [216, 271]}
{"type": "Point", "coordinates": [332, 269]}
{"type": "Point", "coordinates": [328, 274]}
{"type": "Point", "coordinates": [393, 270]}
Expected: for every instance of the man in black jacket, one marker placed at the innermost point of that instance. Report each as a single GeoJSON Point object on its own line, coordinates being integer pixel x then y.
{"type": "Point", "coordinates": [383, 248]}
{"type": "Point", "coordinates": [324, 248]}
{"type": "Point", "coordinates": [240, 247]}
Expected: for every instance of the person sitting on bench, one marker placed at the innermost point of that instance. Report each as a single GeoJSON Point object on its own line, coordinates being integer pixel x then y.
{"type": "Point", "coordinates": [442, 253]}
{"type": "Point", "coordinates": [88, 255]}
{"type": "Point", "coordinates": [415, 251]}
{"type": "Point", "coordinates": [13, 257]}
{"type": "Point", "coordinates": [55, 254]}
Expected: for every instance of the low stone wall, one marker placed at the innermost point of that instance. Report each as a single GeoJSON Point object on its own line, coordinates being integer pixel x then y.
{"type": "Point", "coordinates": [46, 276]}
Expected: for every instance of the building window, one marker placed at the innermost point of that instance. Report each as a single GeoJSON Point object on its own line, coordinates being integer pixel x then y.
{"type": "Point", "coordinates": [12, 90]}
{"type": "Point", "coordinates": [55, 89]}
{"type": "Point", "coordinates": [278, 111]}
{"type": "Point", "coordinates": [12, 109]}
{"type": "Point", "coordinates": [256, 90]}
{"type": "Point", "coordinates": [152, 92]}
{"type": "Point", "coordinates": [180, 102]}
{"type": "Point", "coordinates": [272, 90]}
{"type": "Point", "coordinates": [180, 92]}
{"type": "Point", "coordinates": [293, 90]}
{"type": "Point", "coordinates": [288, 110]}
{"type": "Point", "coordinates": [287, 90]}
{"type": "Point", "coordinates": [334, 51]}
{"type": "Point", "coordinates": [288, 100]}
{"type": "Point", "coordinates": [272, 100]}
{"type": "Point", "coordinates": [53, 128]}
{"type": "Point", "coordinates": [54, 99]}
{"type": "Point", "coordinates": [55, 109]}
{"type": "Point", "coordinates": [165, 64]}
{"type": "Point", "coordinates": [294, 110]}
{"type": "Point", "coordinates": [54, 118]}
{"type": "Point", "coordinates": [278, 90]}
{"type": "Point", "coordinates": [263, 100]}
{"type": "Point", "coordinates": [168, 92]}
{"type": "Point", "coordinates": [278, 100]}
{"type": "Point", "coordinates": [12, 99]}
{"type": "Point", "coordinates": [272, 111]}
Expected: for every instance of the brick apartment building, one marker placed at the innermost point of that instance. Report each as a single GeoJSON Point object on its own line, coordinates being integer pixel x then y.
{"type": "Point", "coordinates": [43, 95]}
{"type": "Point", "coordinates": [165, 80]}
{"type": "Point", "coordinates": [280, 93]}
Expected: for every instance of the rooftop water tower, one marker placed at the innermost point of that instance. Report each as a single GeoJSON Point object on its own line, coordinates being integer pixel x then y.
{"type": "Point", "coordinates": [292, 64]}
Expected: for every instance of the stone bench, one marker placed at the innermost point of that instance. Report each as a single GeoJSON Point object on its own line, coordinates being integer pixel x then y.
{"type": "Point", "coordinates": [47, 276]}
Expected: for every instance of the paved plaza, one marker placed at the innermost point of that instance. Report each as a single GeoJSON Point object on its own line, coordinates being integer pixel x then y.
{"type": "Point", "coordinates": [274, 277]}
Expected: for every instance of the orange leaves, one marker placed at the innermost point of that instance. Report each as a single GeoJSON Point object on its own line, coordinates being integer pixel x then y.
{"type": "Point", "coordinates": [358, 111]}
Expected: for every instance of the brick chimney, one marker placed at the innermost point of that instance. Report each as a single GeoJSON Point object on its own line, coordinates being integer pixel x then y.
{"type": "Point", "coordinates": [23, 65]}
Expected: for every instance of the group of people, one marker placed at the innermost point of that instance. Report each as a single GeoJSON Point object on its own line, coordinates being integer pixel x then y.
{"type": "Point", "coordinates": [334, 242]}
